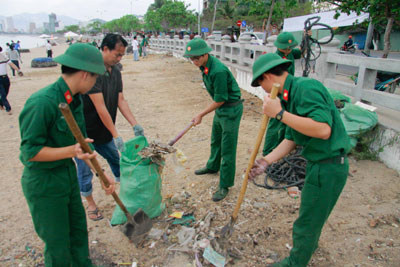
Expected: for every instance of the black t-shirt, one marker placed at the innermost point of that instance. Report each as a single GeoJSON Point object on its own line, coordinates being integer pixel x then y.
{"type": "Point", "coordinates": [110, 85]}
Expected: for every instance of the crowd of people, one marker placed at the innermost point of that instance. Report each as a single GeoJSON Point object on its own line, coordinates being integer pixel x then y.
{"type": "Point", "coordinates": [303, 114]}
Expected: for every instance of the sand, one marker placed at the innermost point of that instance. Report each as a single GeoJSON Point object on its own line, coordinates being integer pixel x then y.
{"type": "Point", "coordinates": [164, 94]}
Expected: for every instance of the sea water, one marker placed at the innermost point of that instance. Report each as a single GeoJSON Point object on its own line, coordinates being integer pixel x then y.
{"type": "Point", "coordinates": [26, 41]}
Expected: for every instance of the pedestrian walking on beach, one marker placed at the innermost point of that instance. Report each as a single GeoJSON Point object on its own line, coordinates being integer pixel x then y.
{"type": "Point", "coordinates": [101, 104]}
{"type": "Point", "coordinates": [49, 180]}
{"type": "Point", "coordinates": [228, 107]}
{"type": "Point", "coordinates": [135, 49]}
{"type": "Point", "coordinates": [144, 44]}
{"type": "Point", "coordinates": [48, 49]}
{"type": "Point", "coordinates": [5, 81]}
{"type": "Point", "coordinates": [13, 55]}
{"type": "Point", "coordinates": [305, 106]}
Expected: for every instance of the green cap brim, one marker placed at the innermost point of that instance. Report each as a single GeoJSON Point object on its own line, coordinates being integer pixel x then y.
{"type": "Point", "coordinates": [197, 52]}
{"type": "Point", "coordinates": [267, 67]}
{"type": "Point", "coordinates": [285, 45]}
{"type": "Point", "coordinates": [80, 64]}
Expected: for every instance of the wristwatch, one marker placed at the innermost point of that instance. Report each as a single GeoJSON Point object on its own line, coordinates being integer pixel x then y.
{"type": "Point", "coordinates": [279, 116]}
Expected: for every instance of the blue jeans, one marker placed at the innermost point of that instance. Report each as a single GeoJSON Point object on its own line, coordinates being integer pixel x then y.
{"type": "Point", "coordinates": [110, 153]}
{"type": "Point", "coordinates": [136, 55]}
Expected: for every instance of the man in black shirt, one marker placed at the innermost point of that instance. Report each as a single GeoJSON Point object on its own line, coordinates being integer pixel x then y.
{"type": "Point", "coordinates": [100, 109]}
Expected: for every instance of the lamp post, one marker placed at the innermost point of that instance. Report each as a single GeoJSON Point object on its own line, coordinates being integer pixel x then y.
{"type": "Point", "coordinates": [198, 19]}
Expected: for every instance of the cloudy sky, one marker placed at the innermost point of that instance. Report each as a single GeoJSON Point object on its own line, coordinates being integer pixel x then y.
{"type": "Point", "coordinates": [82, 9]}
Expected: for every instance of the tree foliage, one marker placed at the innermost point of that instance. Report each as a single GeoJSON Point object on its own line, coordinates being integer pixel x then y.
{"type": "Point", "coordinates": [382, 12]}
{"type": "Point", "coordinates": [72, 28]}
{"type": "Point", "coordinates": [171, 14]}
{"type": "Point", "coordinates": [123, 25]}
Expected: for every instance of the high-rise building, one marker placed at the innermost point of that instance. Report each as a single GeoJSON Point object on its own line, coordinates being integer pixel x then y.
{"type": "Point", "coordinates": [2, 26]}
{"type": "Point", "coordinates": [32, 27]}
{"type": "Point", "coordinates": [52, 22]}
{"type": "Point", "coordinates": [10, 24]}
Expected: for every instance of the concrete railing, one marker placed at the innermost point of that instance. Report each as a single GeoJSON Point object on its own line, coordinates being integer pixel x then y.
{"type": "Point", "coordinates": [240, 56]}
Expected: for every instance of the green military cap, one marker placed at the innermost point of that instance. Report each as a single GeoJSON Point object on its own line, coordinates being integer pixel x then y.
{"type": "Point", "coordinates": [285, 40]}
{"type": "Point", "coordinates": [83, 57]}
{"type": "Point", "coordinates": [196, 47]}
{"type": "Point", "coordinates": [265, 63]}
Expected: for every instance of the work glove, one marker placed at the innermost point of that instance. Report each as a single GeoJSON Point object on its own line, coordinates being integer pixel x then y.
{"type": "Point", "coordinates": [138, 130]}
{"type": "Point", "coordinates": [119, 143]}
{"type": "Point", "coordinates": [259, 167]}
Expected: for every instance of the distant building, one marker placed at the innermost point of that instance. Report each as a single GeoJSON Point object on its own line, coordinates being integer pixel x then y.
{"type": "Point", "coordinates": [2, 26]}
{"type": "Point", "coordinates": [32, 27]}
{"type": "Point", "coordinates": [52, 23]}
{"type": "Point", "coordinates": [10, 24]}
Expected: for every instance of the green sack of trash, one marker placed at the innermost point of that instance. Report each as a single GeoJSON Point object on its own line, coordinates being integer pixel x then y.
{"type": "Point", "coordinates": [357, 120]}
{"type": "Point", "coordinates": [339, 96]}
{"type": "Point", "coordinates": [140, 183]}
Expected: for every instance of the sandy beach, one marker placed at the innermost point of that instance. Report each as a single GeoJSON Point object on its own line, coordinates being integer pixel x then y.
{"type": "Point", "coordinates": [164, 94]}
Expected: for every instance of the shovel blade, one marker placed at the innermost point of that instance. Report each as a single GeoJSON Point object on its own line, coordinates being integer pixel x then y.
{"type": "Point", "coordinates": [137, 227]}
{"type": "Point", "coordinates": [228, 229]}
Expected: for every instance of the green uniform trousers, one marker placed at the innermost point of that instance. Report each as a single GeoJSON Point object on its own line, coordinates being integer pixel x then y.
{"type": "Point", "coordinates": [323, 185]}
{"type": "Point", "coordinates": [58, 215]}
{"type": "Point", "coordinates": [224, 137]}
{"type": "Point", "coordinates": [274, 136]}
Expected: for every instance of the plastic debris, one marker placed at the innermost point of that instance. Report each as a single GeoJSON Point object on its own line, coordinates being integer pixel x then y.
{"type": "Point", "coordinates": [185, 235]}
{"type": "Point", "coordinates": [185, 220]}
{"type": "Point", "coordinates": [177, 214]}
{"type": "Point", "coordinates": [155, 233]}
{"type": "Point", "coordinates": [213, 257]}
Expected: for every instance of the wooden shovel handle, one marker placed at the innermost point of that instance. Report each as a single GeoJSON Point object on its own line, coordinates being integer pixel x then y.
{"type": "Point", "coordinates": [184, 131]}
{"type": "Point", "coordinates": [264, 124]}
{"type": "Point", "coordinates": [76, 131]}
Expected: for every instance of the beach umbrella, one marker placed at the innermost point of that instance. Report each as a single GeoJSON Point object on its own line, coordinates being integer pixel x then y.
{"type": "Point", "coordinates": [70, 34]}
{"type": "Point", "coordinates": [44, 36]}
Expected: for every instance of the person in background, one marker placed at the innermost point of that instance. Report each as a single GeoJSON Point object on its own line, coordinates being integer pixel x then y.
{"type": "Point", "coordinates": [48, 49]}
{"type": "Point", "coordinates": [135, 48]}
{"type": "Point", "coordinates": [5, 81]}
{"type": "Point", "coordinates": [49, 181]}
{"type": "Point", "coordinates": [17, 47]}
{"type": "Point", "coordinates": [349, 42]}
{"type": "Point", "coordinates": [13, 55]}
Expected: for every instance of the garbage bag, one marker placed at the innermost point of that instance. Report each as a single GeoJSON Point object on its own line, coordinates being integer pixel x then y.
{"type": "Point", "coordinates": [140, 183]}
{"type": "Point", "coordinates": [357, 120]}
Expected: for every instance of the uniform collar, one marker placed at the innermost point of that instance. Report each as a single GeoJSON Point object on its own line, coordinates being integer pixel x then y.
{"type": "Point", "coordinates": [70, 99]}
{"type": "Point", "coordinates": [282, 55]}
{"type": "Point", "coordinates": [285, 96]}
{"type": "Point", "coordinates": [206, 69]}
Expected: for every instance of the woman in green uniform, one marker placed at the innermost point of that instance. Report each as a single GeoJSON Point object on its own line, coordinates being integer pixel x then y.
{"type": "Point", "coordinates": [228, 107]}
{"type": "Point", "coordinates": [306, 108]}
{"type": "Point", "coordinates": [49, 180]}
{"type": "Point", "coordinates": [285, 43]}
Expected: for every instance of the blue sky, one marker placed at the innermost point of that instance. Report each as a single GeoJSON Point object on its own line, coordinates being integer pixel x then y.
{"type": "Point", "coordinates": [83, 9]}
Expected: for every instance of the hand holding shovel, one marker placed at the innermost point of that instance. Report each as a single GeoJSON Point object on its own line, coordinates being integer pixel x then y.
{"type": "Point", "coordinates": [139, 224]}
{"type": "Point", "coordinates": [228, 229]}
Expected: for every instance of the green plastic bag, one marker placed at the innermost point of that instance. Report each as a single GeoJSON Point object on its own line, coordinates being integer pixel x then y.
{"type": "Point", "coordinates": [357, 120]}
{"type": "Point", "coordinates": [140, 183]}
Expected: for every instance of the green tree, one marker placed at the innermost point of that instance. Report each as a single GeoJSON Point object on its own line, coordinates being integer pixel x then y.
{"type": "Point", "coordinates": [72, 28]}
{"type": "Point", "coordinates": [382, 12]}
{"type": "Point", "coordinates": [95, 26]}
{"type": "Point", "coordinates": [172, 14]}
{"type": "Point", "coordinates": [123, 25]}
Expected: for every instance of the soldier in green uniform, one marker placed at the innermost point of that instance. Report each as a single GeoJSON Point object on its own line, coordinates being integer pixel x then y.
{"type": "Point", "coordinates": [228, 107]}
{"type": "Point", "coordinates": [49, 180]}
{"type": "Point", "coordinates": [285, 43]}
{"type": "Point", "coordinates": [306, 108]}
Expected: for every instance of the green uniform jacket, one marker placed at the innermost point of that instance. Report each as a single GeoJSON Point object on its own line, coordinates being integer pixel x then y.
{"type": "Point", "coordinates": [51, 188]}
{"type": "Point", "coordinates": [295, 54]}
{"type": "Point", "coordinates": [222, 87]}
{"type": "Point", "coordinates": [276, 130]}
{"type": "Point", "coordinates": [309, 98]}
